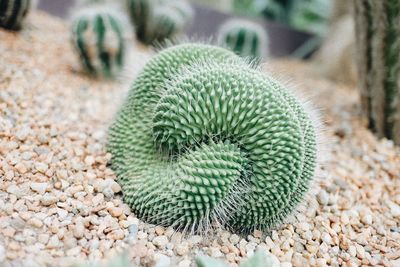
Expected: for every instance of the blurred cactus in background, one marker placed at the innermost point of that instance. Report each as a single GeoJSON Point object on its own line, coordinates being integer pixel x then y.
{"type": "Point", "coordinates": [157, 20]}
{"type": "Point", "coordinates": [13, 13]}
{"type": "Point", "coordinates": [378, 54]}
{"type": "Point", "coordinates": [244, 37]}
{"type": "Point", "coordinates": [97, 35]}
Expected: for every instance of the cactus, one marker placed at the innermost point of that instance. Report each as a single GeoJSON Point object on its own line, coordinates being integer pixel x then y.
{"type": "Point", "coordinates": [204, 138]}
{"type": "Point", "coordinates": [13, 13]}
{"type": "Point", "coordinates": [244, 37]}
{"type": "Point", "coordinates": [99, 40]}
{"type": "Point", "coordinates": [378, 51]}
{"type": "Point", "coordinates": [158, 20]}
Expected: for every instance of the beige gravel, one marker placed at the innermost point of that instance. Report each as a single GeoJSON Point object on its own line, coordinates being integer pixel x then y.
{"type": "Point", "coordinates": [59, 201]}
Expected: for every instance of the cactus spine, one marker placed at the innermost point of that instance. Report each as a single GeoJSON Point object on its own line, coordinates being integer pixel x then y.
{"type": "Point", "coordinates": [378, 52]}
{"type": "Point", "coordinates": [13, 13]}
{"type": "Point", "coordinates": [98, 38]}
{"type": "Point", "coordinates": [244, 37]}
{"type": "Point", "coordinates": [203, 137]}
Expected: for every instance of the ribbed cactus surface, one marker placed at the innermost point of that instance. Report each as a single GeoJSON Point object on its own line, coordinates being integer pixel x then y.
{"type": "Point", "coordinates": [244, 37]}
{"type": "Point", "coordinates": [13, 12]}
{"type": "Point", "coordinates": [202, 137]}
{"type": "Point", "coordinates": [378, 51]}
{"type": "Point", "coordinates": [98, 38]}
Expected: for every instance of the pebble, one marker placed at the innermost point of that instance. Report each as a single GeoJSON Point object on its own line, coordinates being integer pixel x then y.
{"type": "Point", "coordinates": [48, 199]}
{"type": "Point", "coordinates": [160, 241]}
{"type": "Point", "coordinates": [162, 260]}
{"type": "Point", "coordinates": [39, 187]}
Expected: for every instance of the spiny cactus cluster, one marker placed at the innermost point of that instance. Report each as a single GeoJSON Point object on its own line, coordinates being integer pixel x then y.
{"type": "Point", "coordinates": [246, 38]}
{"type": "Point", "coordinates": [98, 37]}
{"type": "Point", "coordinates": [158, 20]}
{"type": "Point", "coordinates": [204, 138]}
{"type": "Point", "coordinates": [13, 13]}
{"type": "Point", "coordinates": [378, 55]}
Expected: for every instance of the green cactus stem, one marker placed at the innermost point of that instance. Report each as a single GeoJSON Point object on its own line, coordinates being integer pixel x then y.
{"type": "Point", "coordinates": [246, 38]}
{"type": "Point", "coordinates": [13, 13]}
{"type": "Point", "coordinates": [204, 138]}
{"type": "Point", "coordinates": [99, 40]}
{"type": "Point", "coordinates": [378, 55]}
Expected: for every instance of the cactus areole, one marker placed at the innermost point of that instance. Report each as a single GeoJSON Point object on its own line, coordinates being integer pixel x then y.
{"type": "Point", "coordinates": [204, 138]}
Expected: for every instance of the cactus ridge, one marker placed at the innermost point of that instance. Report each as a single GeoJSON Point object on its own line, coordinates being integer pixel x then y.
{"type": "Point", "coordinates": [244, 37]}
{"type": "Point", "coordinates": [204, 138]}
{"type": "Point", "coordinates": [13, 12]}
{"type": "Point", "coordinates": [98, 38]}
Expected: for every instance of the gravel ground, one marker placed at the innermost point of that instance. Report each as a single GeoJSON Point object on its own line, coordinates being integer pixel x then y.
{"type": "Point", "coordinates": [59, 201]}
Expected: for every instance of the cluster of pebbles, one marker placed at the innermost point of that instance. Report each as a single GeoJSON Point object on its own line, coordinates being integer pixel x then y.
{"type": "Point", "coordinates": [59, 202]}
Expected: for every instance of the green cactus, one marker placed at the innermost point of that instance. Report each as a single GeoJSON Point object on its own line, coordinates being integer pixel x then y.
{"type": "Point", "coordinates": [99, 40]}
{"type": "Point", "coordinates": [203, 137]}
{"type": "Point", "coordinates": [13, 13]}
{"type": "Point", "coordinates": [378, 55]}
{"type": "Point", "coordinates": [158, 20]}
{"type": "Point", "coordinates": [244, 37]}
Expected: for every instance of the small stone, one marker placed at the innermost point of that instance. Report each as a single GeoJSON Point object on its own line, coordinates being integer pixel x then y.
{"type": "Point", "coordinates": [41, 167]}
{"type": "Point", "coordinates": [74, 251]}
{"type": "Point", "coordinates": [133, 230]}
{"type": "Point", "coordinates": [234, 239]}
{"type": "Point", "coordinates": [117, 235]}
{"type": "Point", "coordinates": [35, 222]}
{"type": "Point", "coordinates": [115, 211]}
{"type": "Point", "coordinates": [54, 242]}
{"type": "Point", "coordinates": [48, 199]}
{"type": "Point", "coordinates": [160, 241]}
{"type": "Point", "coordinates": [184, 263]}
{"type": "Point", "coordinates": [2, 253]}
{"type": "Point", "coordinates": [159, 230]}
{"type": "Point", "coordinates": [79, 230]}
{"type": "Point", "coordinates": [89, 160]}
{"type": "Point", "coordinates": [182, 249]}
{"type": "Point", "coordinates": [326, 238]}
{"type": "Point", "coordinates": [162, 260]}
{"type": "Point", "coordinates": [367, 219]}
{"type": "Point", "coordinates": [39, 187]}
{"type": "Point", "coordinates": [323, 197]}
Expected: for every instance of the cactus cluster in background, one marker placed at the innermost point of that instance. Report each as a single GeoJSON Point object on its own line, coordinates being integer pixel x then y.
{"type": "Point", "coordinates": [13, 13]}
{"type": "Point", "coordinates": [98, 37]}
{"type": "Point", "coordinates": [204, 138]}
{"type": "Point", "coordinates": [157, 20]}
{"type": "Point", "coordinates": [244, 37]}
{"type": "Point", "coordinates": [378, 52]}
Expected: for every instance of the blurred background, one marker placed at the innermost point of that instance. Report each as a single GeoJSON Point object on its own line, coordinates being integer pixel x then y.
{"type": "Point", "coordinates": [295, 27]}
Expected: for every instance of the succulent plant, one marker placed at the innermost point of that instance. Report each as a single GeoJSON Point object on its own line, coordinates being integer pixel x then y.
{"type": "Point", "coordinates": [13, 13]}
{"type": "Point", "coordinates": [378, 50]}
{"type": "Point", "coordinates": [204, 138]}
{"type": "Point", "coordinates": [246, 38]}
{"type": "Point", "coordinates": [158, 20]}
{"type": "Point", "coordinates": [98, 36]}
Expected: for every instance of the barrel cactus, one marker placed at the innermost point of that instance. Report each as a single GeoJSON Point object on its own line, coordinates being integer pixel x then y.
{"type": "Point", "coordinates": [204, 138]}
{"type": "Point", "coordinates": [13, 13]}
{"type": "Point", "coordinates": [99, 40]}
{"type": "Point", "coordinates": [378, 55]}
{"type": "Point", "coordinates": [246, 38]}
{"type": "Point", "coordinates": [158, 20]}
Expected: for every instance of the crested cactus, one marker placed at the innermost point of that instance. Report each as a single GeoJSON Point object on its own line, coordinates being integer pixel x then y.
{"type": "Point", "coordinates": [378, 55]}
{"type": "Point", "coordinates": [244, 37]}
{"type": "Point", "coordinates": [158, 20]}
{"type": "Point", "coordinates": [13, 13]}
{"type": "Point", "coordinates": [99, 40]}
{"type": "Point", "coordinates": [204, 138]}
